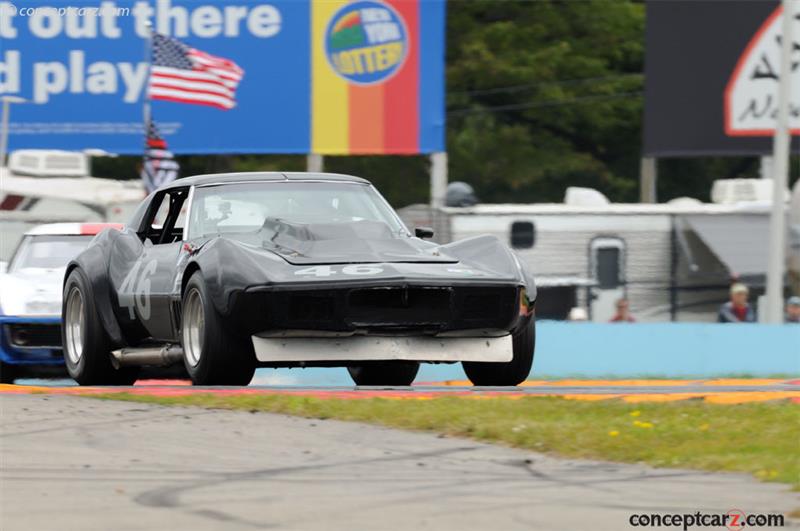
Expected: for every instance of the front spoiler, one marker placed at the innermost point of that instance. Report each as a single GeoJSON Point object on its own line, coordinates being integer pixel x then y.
{"type": "Point", "coordinates": [373, 348]}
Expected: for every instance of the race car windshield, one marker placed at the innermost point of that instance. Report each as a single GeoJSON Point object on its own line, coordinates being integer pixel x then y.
{"type": "Point", "coordinates": [244, 207]}
{"type": "Point", "coordinates": [48, 252]}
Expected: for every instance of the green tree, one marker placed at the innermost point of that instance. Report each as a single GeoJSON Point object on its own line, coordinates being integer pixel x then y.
{"type": "Point", "coordinates": [543, 95]}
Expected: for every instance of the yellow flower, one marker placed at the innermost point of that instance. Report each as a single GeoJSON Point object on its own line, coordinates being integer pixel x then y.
{"type": "Point", "coordinates": [703, 427]}
{"type": "Point", "coordinates": [613, 433]}
{"type": "Point", "coordinates": [635, 413]}
{"type": "Point", "coordinates": [641, 424]}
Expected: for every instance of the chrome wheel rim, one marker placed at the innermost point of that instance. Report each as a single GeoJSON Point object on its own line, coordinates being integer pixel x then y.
{"type": "Point", "coordinates": [193, 327]}
{"type": "Point", "coordinates": [73, 324]}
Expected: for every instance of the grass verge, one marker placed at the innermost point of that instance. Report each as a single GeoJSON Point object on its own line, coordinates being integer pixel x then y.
{"type": "Point", "coordinates": [759, 438]}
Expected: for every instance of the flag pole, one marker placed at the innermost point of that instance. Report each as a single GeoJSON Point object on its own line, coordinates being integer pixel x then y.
{"type": "Point", "coordinates": [776, 257]}
{"type": "Point", "coordinates": [146, 111]}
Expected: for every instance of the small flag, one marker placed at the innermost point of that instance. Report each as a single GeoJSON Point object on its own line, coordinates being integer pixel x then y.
{"type": "Point", "coordinates": [160, 166]}
{"type": "Point", "coordinates": [185, 75]}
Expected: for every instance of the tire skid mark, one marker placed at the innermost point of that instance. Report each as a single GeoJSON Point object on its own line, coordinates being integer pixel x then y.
{"type": "Point", "coordinates": [168, 496]}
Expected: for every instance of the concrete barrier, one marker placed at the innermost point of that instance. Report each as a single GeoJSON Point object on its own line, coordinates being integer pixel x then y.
{"type": "Point", "coordinates": [666, 349]}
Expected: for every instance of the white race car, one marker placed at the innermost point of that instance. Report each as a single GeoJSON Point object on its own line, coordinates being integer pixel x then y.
{"type": "Point", "coordinates": [30, 298]}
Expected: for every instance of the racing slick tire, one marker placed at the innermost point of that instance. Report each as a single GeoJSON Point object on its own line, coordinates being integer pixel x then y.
{"type": "Point", "coordinates": [212, 354]}
{"type": "Point", "coordinates": [508, 373]}
{"type": "Point", "coordinates": [87, 348]}
{"type": "Point", "coordinates": [388, 373]}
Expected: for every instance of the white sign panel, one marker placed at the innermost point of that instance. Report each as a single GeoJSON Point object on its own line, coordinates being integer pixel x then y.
{"type": "Point", "coordinates": [751, 104]}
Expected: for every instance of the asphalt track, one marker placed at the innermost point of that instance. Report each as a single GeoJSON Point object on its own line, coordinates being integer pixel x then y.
{"type": "Point", "coordinates": [70, 463]}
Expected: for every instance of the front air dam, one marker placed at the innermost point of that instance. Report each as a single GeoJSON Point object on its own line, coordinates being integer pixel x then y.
{"type": "Point", "coordinates": [369, 348]}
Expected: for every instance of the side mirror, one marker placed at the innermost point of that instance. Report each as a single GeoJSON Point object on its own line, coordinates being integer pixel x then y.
{"type": "Point", "coordinates": [423, 232]}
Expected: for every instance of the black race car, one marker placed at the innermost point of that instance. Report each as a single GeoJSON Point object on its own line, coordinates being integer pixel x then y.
{"type": "Point", "coordinates": [226, 273]}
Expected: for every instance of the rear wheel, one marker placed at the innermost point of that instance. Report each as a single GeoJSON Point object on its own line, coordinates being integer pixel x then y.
{"type": "Point", "coordinates": [87, 349]}
{"type": "Point", "coordinates": [212, 354]}
{"type": "Point", "coordinates": [390, 373]}
{"type": "Point", "coordinates": [513, 372]}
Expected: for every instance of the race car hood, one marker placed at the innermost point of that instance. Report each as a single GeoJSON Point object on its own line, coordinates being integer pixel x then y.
{"type": "Point", "coordinates": [234, 263]}
{"type": "Point", "coordinates": [342, 243]}
{"type": "Point", "coordinates": [31, 292]}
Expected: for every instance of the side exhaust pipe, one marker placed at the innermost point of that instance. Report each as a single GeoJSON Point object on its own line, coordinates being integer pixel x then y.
{"type": "Point", "coordinates": [135, 357]}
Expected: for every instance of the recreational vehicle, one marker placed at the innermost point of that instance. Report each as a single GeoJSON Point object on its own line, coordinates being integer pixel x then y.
{"type": "Point", "coordinates": [673, 261]}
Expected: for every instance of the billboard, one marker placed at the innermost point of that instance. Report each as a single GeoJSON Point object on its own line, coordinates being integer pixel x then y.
{"type": "Point", "coordinates": [711, 77]}
{"type": "Point", "coordinates": [324, 76]}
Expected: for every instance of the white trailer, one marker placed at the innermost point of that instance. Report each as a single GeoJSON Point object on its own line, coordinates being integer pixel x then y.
{"type": "Point", "coordinates": [672, 261]}
{"type": "Point", "coordinates": [48, 186]}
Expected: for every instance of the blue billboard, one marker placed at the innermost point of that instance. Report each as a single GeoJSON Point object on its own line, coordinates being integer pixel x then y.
{"type": "Point", "coordinates": [84, 68]}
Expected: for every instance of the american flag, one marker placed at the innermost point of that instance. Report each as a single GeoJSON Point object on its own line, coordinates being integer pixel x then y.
{"type": "Point", "coordinates": [160, 166]}
{"type": "Point", "coordinates": [181, 73]}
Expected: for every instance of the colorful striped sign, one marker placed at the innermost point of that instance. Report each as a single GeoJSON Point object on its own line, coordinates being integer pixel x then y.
{"type": "Point", "coordinates": [367, 98]}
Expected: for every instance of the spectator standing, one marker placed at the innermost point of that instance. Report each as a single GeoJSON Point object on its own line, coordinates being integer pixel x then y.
{"type": "Point", "coordinates": [623, 314]}
{"type": "Point", "coordinates": [793, 310]}
{"type": "Point", "coordinates": [738, 309]}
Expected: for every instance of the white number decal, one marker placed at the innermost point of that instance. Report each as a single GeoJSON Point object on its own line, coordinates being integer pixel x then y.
{"type": "Point", "coordinates": [316, 271]}
{"type": "Point", "coordinates": [361, 269]}
{"type": "Point", "coordinates": [326, 271]}
{"type": "Point", "coordinates": [135, 289]}
{"type": "Point", "coordinates": [462, 271]}
{"type": "Point", "coordinates": [126, 290]}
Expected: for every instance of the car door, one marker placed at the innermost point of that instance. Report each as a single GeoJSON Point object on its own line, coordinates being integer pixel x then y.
{"type": "Point", "coordinates": [146, 291]}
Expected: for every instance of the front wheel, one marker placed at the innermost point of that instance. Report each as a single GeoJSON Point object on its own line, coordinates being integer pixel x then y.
{"type": "Point", "coordinates": [87, 349]}
{"type": "Point", "coordinates": [388, 373]}
{"type": "Point", "coordinates": [508, 373]}
{"type": "Point", "coordinates": [212, 354]}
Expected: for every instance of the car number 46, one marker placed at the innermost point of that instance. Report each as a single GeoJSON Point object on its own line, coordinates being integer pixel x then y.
{"type": "Point", "coordinates": [135, 289]}
{"type": "Point", "coordinates": [327, 271]}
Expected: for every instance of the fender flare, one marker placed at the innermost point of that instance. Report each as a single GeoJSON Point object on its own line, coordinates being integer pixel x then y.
{"type": "Point", "coordinates": [227, 271]}
{"type": "Point", "coordinates": [93, 263]}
